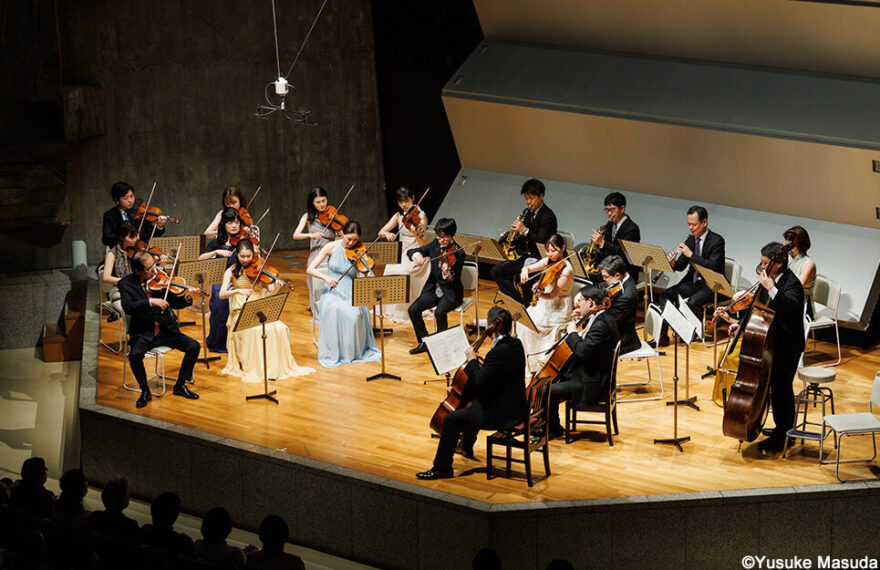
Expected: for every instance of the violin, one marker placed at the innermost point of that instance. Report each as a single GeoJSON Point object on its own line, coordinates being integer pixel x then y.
{"type": "Point", "coordinates": [245, 233]}
{"type": "Point", "coordinates": [257, 269]}
{"type": "Point", "coordinates": [155, 251]}
{"type": "Point", "coordinates": [447, 260]}
{"type": "Point", "coordinates": [547, 278]}
{"type": "Point", "coordinates": [331, 218]}
{"type": "Point", "coordinates": [357, 255]}
{"type": "Point", "coordinates": [176, 285]}
{"type": "Point", "coordinates": [412, 220]}
{"type": "Point", "coordinates": [152, 213]}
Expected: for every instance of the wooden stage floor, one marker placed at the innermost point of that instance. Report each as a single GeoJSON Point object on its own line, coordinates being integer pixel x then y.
{"type": "Point", "coordinates": [381, 427]}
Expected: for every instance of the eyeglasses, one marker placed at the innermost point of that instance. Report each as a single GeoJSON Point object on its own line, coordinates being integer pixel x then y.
{"type": "Point", "coordinates": [609, 209]}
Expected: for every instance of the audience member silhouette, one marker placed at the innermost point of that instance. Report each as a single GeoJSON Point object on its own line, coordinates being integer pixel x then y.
{"type": "Point", "coordinates": [69, 509]}
{"type": "Point", "coordinates": [28, 496]}
{"type": "Point", "coordinates": [212, 547]}
{"type": "Point", "coordinates": [273, 534]}
{"type": "Point", "coordinates": [160, 535]}
{"type": "Point", "coordinates": [111, 523]}
{"type": "Point", "coordinates": [560, 564]}
{"type": "Point", "coordinates": [486, 559]}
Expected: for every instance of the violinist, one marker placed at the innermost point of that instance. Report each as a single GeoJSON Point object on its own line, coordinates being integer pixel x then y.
{"type": "Point", "coordinates": [443, 288]}
{"type": "Point", "coordinates": [537, 223]}
{"type": "Point", "coordinates": [619, 226]}
{"type": "Point", "coordinates": [495, 392]}
{"type": "Point", "coordinates": [410, 239]}
{"type": "Point", "coordinates": [116, 261]}
{"type": "Point", "coordinates": [125, 211]}
{"type": "Point", "coordinates": [586, 380]}
{"type": "Point", "coordinates": [625, 305]}
{"type": "Point", "coordinates": [246, 346]}
{"type": "Point", "coordinates": [781, 291]}
{"type": "Point", "coordinates": [154, 324]}
{"type": "Point", "coordinates": [800, 263]}
{"type": "Point", "coordinates": [318, 234]}
{"type": "Point", "coordinates": [551, 301]}
{"type": "Point", "coordinates": [221, 246]}
{"type": "Point", "coordinates": [345, 333]}
{"type": "Point", "coordinates": [232, 197]}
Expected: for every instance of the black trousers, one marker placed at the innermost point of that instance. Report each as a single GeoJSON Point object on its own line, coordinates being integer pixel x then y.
{"type": "Point", "coordinates": [427, 300]}
{"type": "Point", "coordinates": [178, 341]}
{"type": "Point", "coordinates": [506, 275]}
{"type": "Point", "coordinates": [465, 423]}
{"type": "Point", "coordinates": [781, 393]}
{"type": "Point", "coordinates": [696, 294]}
{"type": "Point", "coordinates": [569, 390]}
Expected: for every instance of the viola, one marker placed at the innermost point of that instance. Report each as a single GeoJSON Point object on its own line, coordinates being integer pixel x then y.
{"type": "Point", "coordinates": [151, 214]}
{"type": "Point", "coordinates": [257, 269]}
{"type": "Point", "coordinates": [329, 218]}
{"type": "Point", "coordinates": [176, 285]}
{"type": "Point", "coordinates": [549, 276]}
{"type": "Point", "coordinates": [357, 255]}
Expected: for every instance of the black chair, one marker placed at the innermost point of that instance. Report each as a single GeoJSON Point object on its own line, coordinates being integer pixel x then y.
{"type": "Point", "coordinates": [606, 406]}
{"type": "Point", "coordinates": [530, 435]}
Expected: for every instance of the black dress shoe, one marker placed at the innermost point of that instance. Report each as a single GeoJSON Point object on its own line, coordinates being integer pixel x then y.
{"type": "Point", "coordinates": [772, 444]}
{"type": "Point", "coordinates": [468, 453]}
{"type": "Point", "coordinates": [555, 433]}
{"type": "Point", "coordinates": [182, 390]}
{"type": "Point", "coordinates": [422, 347]}
{"type": "Point", "coordinates": [768, 432]}
{"type": "Point", "coordinates": [664, 341]}
{"type": "Point", "coordinates": [435, 474]}
{"type": "Point", "coordinates": [145, 397]}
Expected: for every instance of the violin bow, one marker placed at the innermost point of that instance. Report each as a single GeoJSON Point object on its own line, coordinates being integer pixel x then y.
{"type": "Point", "coordinates": [265, 261]}
{"type": "Point", "coordinates": [339, 209]}
{"type": "Point", "coordinates": [549, 265]}
{"type": "Point", "coordinates": [173, 269]}
{"type": "Point", "coordinates": [354, 263]}
{"type": "Point", "coordinates": [257, 191]}
{"type": "Point", "coordinates": [416, 205]}
{"type": "Point", "coordinates": [149, 199]}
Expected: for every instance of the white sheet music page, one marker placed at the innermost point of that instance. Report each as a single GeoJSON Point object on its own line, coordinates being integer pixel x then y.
{"type": "Point", "coordinates": [446, 349]}
{"type": "Point", "coordinates": [681, 326]}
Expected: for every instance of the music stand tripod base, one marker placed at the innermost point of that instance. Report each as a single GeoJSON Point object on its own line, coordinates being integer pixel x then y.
{"type": "Point", "coordinates": [258, 312]}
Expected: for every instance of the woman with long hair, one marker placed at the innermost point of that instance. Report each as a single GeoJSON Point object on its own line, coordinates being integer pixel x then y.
{"type": "Point", "coordinates": [311, 228]}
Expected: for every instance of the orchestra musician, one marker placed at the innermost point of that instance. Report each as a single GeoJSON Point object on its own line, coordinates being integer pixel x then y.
{"type": "Point", "coordinates": [586, 380]}
{"type": "Point", "coordinates": [494, 391]}
{"type": "Point", "coordinates": [625, 305]}
{"type": "Point", "coordinates": [246, 346]}
{"type": "Point", "coordinates": [538, 223]}
{"type": "Point", "coordinates": [800, 263]}
{"type": "Point", "coordinates": [443, 290]}
{"type": "Point", "coordinates": [552, 308]}
{"type": "Point", "coordinates": [782, 292]}
{"type": "Point", "coordinates": [409, 240]}
{"type": "Point", "coordinates": [702, 247]}
{"type": "Point", "coordinates": [345, 333]}
{"type": "Point", "coordinates": [116, 261]}
{"type": "Point", "coordinates": [154, 324]}
{"type": "Point", "coordinates": [619, 226]}
{"type": "Point", "coordinates": [221, 246]}
{"type": "Point", "coordinates": [232, 197]}
{"type": "Point", "coordinates": [124, 211]}
{"type": "Point", "coordinates": [319, 235]}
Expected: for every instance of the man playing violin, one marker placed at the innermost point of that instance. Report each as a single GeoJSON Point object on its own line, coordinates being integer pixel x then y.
{"type": "Point", "coordinates": [153, 324]}
{"type": "Point", "coordinates": [538, 223]}
{"type": "Point", "coordinates": [443, 289]}
{"type": "Point", "coordinates": [624, 306]}
{"type": "Point", "coordinates": [586, 380]}
{"type": "Point", "coordinates": [781, 291]}
{"type": "Point", "coordinates": [494, 391]}
{"type": "Point", "coordinates": [124, 211]}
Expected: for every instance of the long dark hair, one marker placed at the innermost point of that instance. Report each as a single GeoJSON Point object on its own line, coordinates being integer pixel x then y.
{"type": "Point", "coordinates": [558, 242]}
{"type": "Point", "coordinates": [312, 212]}
{"type": "Point", "coordinates": [234, 192]}
{"type": "Point", "coordinates": [229, 214]}
{"type": "Point", "coordinates": [237, 267]}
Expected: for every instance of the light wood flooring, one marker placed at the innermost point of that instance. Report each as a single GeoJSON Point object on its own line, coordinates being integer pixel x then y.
{"type": "Point", "coordinates": [382, 428]}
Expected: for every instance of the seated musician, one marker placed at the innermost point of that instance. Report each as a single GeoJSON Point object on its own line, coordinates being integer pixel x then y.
{"type": "Point", "coordinates": [495, 394]}
{"type": "Point", "coordinates": [624, 306]}
{"type": "Point", "coordinates": [587, 378]}
{"type": "Point", "coordinates": [443, 289]}
{"type": "Point", "coordinates": [124, 211]}
{"type": "Point", "coordinates": [703, 247]}
{"type": "Point", "coordinates": [538, 224]}
{"type": "Point", "coordinates": [781, 291]}
{"type": "Point", "coordinates": [153, 324]}
{"type": "Point", "coordinates": [619, 226]}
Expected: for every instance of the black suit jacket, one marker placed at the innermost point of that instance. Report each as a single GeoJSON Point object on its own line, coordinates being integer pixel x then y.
{"type": "Point", "coordinates": [788, 304]}
{"type": "Point", "coordinates": [112, 220]}
{"type": "Point", "coordinates": [711, 256]}
{"type": "Point", "coordinates": [541, 226]}
{"type": "Point", "coordinates": [623, 310]}
{"type": "Point", "coordinates": [498, 384]}
{"type": "Point", "coordinates": [628, 231]}
{"type": "Point", "coordinates": [594, 354]}
{"type": "Point", "coordinates": [143, 315]}
{"type": "Point", "coordinates": [453, 289]}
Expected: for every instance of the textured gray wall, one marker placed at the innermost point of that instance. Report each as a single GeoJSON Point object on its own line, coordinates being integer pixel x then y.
{"type": "Point", "coordinates": [172, 87]}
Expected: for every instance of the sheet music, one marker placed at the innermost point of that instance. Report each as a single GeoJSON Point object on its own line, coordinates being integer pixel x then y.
{"type": "Point", "coordinates": [690, 316]}
{"type": "Point", "coordinates": [446, 349]}
{"type": "Point", "coordinates": [678, 322]}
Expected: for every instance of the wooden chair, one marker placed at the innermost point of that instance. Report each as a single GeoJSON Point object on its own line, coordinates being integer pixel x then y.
{"type": "Point", "coordinates": [606, 406]}
{"type": "Point", "coordinates": [531, 435]}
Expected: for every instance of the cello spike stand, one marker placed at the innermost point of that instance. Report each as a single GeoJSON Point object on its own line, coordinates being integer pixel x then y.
{"type": "Point", "coordinates": [675, 440]}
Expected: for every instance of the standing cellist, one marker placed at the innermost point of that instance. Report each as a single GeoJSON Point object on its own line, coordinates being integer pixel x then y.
{"type": "Point", "coordinates": [782, 292]}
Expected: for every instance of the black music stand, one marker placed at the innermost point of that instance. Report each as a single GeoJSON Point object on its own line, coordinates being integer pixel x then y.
{"type": "Point", "coordinates": [518, 312]}
{"type": "Point", "coordinates": [686, 312]}
{"type": "Point", "coordinates": [383, 253]}
{"type": "Point", "coordinates": [685, 332]}
{"type": "Point", "coordinates": [717, 283]}
{"type": "Point", "coordinates": [206, 273]}
{"type": "Point", "coordinates": [372, 291]}
{"type": "Point", "coordinates": [188, 247]}
{"type": "Point", "coordinates": [648, 257]}
{"type": "Point", "coordinates": [446, 349]}
{"type": "Point", "coordinates": [480, 248]}
{"type": "Point", "coordinates": [260, 312]}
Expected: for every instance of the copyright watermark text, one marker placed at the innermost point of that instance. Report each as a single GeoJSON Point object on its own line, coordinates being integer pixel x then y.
{"type": "Point", "coordinates": [750, 562]}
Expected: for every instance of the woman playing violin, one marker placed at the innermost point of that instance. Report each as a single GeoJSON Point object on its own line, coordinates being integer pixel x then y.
{"type": "Point", "coordinates": [551, 301]}
{"type": "Point", "coordinates": [411, 237]}
{"type": "Point", "coordinates": [232, 197]}
{"type": "Point", "coordinates": [345, 334]}
{"type": "Point", "coordinates": [116, 262]}
{"type": "Point", "coordinates": [318, 234]}
{"type": "Point", "coordinates": [221, 246]}
{"type": "Point", "coordinates": [246, 346]}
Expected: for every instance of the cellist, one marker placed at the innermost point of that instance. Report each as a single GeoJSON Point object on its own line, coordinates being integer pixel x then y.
{"type": "Point", "coordinates": [781, 291]}
{"type": "Point", "coordinates": [494, 391]}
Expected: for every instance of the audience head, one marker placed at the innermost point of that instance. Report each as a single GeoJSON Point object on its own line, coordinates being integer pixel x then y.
{"type": "Point", "coordinates": [560, 564]}
{"type": "Point", "coordinates": [486, 559]}
{"type": "Point", "coordinates": [73, 484]}
{"type": "Point", "coordinates": [34, 471]}
{"type": "Point", "coordinates": [115, 495]}
{"type": "Point", "coordinates": [501, 318]}
{"type": "Point", "coordinates": [274, 533]}
{"type": "Point", "coordinates": [165, 509]}
{"type": "Point", "coordinates": [216, 525]}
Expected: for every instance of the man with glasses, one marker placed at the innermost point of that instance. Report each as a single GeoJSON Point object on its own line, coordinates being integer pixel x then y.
{"type": "Point", "coordinates": [619, 227]}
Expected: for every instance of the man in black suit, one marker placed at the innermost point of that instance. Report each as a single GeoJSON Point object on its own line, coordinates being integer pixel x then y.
{"type": "Point", "coordinates": [124, 211]}
{"type": "Point", "coordinates": [625, 305]}
{"type": "Point", "coordinates": [703, 247]}
{"type": "Point", "coordinates": [619, 226]}
{"type": "Point", "coordinates": [781, 291]}
{"type": "Point", "coordinates": [538, 224]}
{"type": "Point", "coordinates": [587, 378]}
{"type": "Point", "coordinates": [495, 391]}
{"type": "Point", "coordinates": [152, 324]}
{"type": "Point", "coordinates": [443, 289]}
